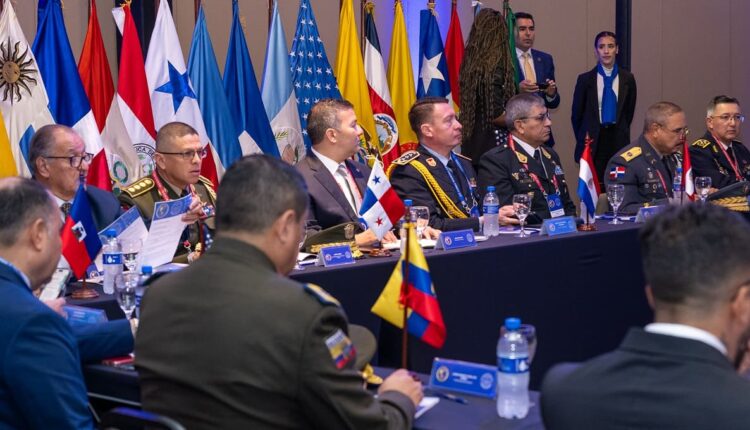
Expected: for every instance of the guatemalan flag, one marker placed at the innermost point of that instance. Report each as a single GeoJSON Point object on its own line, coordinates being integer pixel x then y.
{"type": "Point", "coordinates": [381, 207]}
{"type": "Point", "coordinates": [433, 68]}
{"type": "Point", "coordinates": [588, 183]}
{"type": "Point", "coordinates": [80, 240]}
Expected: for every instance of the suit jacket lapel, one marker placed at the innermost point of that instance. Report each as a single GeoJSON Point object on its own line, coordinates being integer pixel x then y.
{"type": "Point", "coordinates": [622, 94]}
{"type": "Point", "coordinates": [537, 65]}
{"type": "Point", "coordinates": [359, 177]}
{"type": "Point", "coordinates": [324, 177]}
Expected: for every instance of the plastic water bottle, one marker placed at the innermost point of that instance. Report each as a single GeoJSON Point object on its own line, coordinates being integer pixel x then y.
{"type": "Point", "coordinates": [112, 260]}
{"type": "Point", "coordinates": [146, 272]}
{"type": "Point", "coordinates": [677, 185]}
{"type": "Point", "coordinates": [512, 372]}
{"type": "Point", "coordinates": [490, 213]}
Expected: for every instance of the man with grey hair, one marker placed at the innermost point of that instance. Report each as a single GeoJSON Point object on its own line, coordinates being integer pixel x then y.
{"type": "Point", "coordinates": [646, 167]}
{"type": "Point", "coordinates": [525, 164]}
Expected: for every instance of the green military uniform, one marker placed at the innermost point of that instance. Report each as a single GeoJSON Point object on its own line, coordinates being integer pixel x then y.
{"type": "Point", "coordinates": [228, 343]}
{"type": "Point", "coordinates": [144, 193]}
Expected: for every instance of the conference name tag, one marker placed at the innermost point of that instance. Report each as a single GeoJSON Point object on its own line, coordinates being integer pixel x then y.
{"type": "Point", "coordinates": [558, 226]}
{"type": "Point", "coordinates": [463, 376]}
{"type": "Point", "coordinates": [79, 315]}
{"type": "Point", "coordinates": [455, 239]}
{"type": "Point", "coordinates": [647, 212]}
{"type": "Point", "coordinates": [554, 203]}
{"type": "Point", "coordinates": [335, 255]}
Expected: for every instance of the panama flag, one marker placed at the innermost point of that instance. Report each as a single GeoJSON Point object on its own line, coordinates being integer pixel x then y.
{"type": "Point", "coordinates": [381, 207]}
{"type": "Point", "coordinates": [433, 69]}
{"type": "Point", "coordinates": [588, 184]}
{"type": "Point", "coordinates": [278, 94]}
{"type": "Point", "coordinates": [23, 99]}
{"type": "Point", "coordinates": [67, 99]}
{"type": "Point", "coordinates": [687, 172]}
{"type": "Point", "coordinates": [80, 241]}
{"type": "Point", "coordinates": [380, 96]}
{"type": "Point", "coordinates": [243, 95]}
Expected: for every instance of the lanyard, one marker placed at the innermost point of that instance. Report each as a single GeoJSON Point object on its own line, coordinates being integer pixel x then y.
{"type": "Point", "coordinates": [534, 176]}
{"type": "Point", "coordinates": [461, 197]}
{"type": "Point", "coordinates": [731, 163]}
{"type": "Point", "coordinates": [663, 182]}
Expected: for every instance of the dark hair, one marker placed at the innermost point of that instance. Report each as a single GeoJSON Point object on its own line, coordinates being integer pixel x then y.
{"type": "Point", "coordinates": [22, 201]}
{"type": "Point", "coordinates": [519, 107]}
{"type": "Point", "coordinates": [525, 15]}
{"type": "Point", "coordinates": [604, 34]}
{"type": "Point", "coordinates": [693, 254]}
{"type": "Point", "coordinates": [172, 130]}
{"type": "Point", "coordinates": [41, 143]}
{"type": "Point", "coordinates": [324, 115]}
{"type": "Point", "coordinates": [421, 112]}
{"type": "Point", "coordinates": [255, 191]}
{"type": "Point", "coordinates": [722, 99]}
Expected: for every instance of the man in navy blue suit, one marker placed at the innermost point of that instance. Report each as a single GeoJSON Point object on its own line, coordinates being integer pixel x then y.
{"type": "Point", "coordinates": [42, 384]}
{"type": "Point", "coordinates": [536, 69]}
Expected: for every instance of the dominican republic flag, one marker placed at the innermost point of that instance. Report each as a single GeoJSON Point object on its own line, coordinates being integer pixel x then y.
{"type": "Point", "coordinates": [380, 96]}
{"type": "Point", "coordinates": [80, 240]}
{"type": "Point", "coordinates": [616, 172]}
{"type": "Point", "coordinates": [588, 183]}
{"type": "Point", "coordinates": [381, 207]}
{"type": "Point", "coordinates": [687, 172]}
{"type": "Point", "coordinates": [433, 69]}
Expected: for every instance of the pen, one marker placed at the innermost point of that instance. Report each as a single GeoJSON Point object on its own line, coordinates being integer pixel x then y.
{"type": "Point", "coordinates": [450, 397]}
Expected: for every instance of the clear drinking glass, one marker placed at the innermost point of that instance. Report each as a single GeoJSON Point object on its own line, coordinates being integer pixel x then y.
{"type": "Point", "coordinates": [702, 187]}
{"type": "Point", "coordinates": [130, 250]}
{"type": "Point", "coordinates": [125, 292]}
{"type": "Point", "coordinates": [421, 217]}
{"type": "Point", "coordinates": [522, 206]}
{"type": "Point", "coordinates": [615, 194]}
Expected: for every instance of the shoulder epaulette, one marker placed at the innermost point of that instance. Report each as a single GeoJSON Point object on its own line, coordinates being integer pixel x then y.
{"type": "Point", "coordinates": [522, 158]}
{"type": "Point", "coordinates": [631, 153]}
{"type": "Point", "coordinates": [209, 186]}
{"type": "Point", "coordinates": [463, 156]}
{"type": "Point", "coordinates": [703, 143]}
{"type": "Point", "coordinates": [406, 158]}
{"type": "Point", "coordinates": [320, 294]}
{"type": "Point", "coordinates": [139, 187]}
{"type": "Point", "coordinates": [546, 153]}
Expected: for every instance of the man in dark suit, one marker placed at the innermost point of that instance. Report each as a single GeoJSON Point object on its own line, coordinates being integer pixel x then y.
{"type": "Point", "coordinates": [42, 384]}
{"type": "Point", "coordinates": [525, 164]}
{"type": "Point", "coordinates": [335, 182]}
{"type": "Point", "coordinates": [603, 104]}
{"type": "Point", "coordinates": [678, 372]}
{"type": "Point", "coordinates": [272, 353]}
{"type": "Point", "coordinates": [536, 69]}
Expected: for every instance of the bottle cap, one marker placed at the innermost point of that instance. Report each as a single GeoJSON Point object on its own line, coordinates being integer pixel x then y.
{"type": "Point", "coordinates": [110, 233]}
{"type": "Point", "coordinates": [407, 202]}
{"type": "Point", "coordinates": [490, 188]}
{"type": "Point", "coordinates": [512, 323]}
{"type": "Point", "coordinates": [147, 270]}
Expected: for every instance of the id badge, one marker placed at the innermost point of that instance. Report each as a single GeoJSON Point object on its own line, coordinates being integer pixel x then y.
{"type": "Point", "coordinates": [554, 203]}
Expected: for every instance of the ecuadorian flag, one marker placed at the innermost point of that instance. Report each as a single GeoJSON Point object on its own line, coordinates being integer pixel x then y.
{"type": "Point", "coordinates": [424, 319]}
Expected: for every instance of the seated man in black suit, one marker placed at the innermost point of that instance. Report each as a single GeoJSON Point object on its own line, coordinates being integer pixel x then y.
{"type": "Point", "coordinates": [676, 373]}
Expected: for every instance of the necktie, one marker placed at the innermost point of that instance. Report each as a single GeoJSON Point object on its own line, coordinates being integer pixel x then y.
{"type": "Point", "coordinates": [342, 171]}
{"type": "Point", "coordinates": [65, 208]}
{"type": "Point", "coordinates": [668, 168]}
{"type": "Point", "coordinates": [528, 72]}
{"type": "Point", "coordinates": [538, 155]}
{"type": "Point", "coordinates": [457, 176]}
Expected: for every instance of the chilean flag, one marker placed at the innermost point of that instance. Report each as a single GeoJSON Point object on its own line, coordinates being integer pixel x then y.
{"type": "Point", "coordinates": [588, 183]}
{"type": "Point", "coordinates": [80, 240]}
{"type": "Point", "coordinates": [381, 207]}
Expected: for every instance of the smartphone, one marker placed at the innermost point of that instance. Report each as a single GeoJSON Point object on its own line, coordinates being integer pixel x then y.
{"type": "Point", "coordinates": [56, 286]}
{"type": "Point", "coordinates": [543, 85]}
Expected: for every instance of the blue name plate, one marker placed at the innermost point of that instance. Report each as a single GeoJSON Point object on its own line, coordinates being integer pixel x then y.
{"type": "Point", "coordinates": [80, 315]}
{"type": "Point", "coordinates": [647, 212]}
{"type": "Point", "coordinates": [463, 376]}
{"type": "Point", "coordinates": [455, 239]}
{"type": "Point", "coordinates": [558, 226]}
{"type": "Point", "coordinates": [335, 255]}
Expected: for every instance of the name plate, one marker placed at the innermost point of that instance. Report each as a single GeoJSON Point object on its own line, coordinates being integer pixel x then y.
{"type": "Point", "coordinates": [463, 376]}
{"type": "Point", "coordinates": [456, 239]}
{"type": "Point", "coordinates": [647, 212]}
{"type": "Point", "coordinates": [335, 255]}
{"type": "Point", "coordinates": [80, 315]}
{"type": "Point", "coordinates": [558, 226]}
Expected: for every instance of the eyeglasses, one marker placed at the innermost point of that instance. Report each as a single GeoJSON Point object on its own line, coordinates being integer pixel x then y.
{"type": "Point", "coordinates": [75, 160]}
{"type": "Point", "coordinates": [188, 155]}
{"type": "Point", "coordinates": [541, 117]}
{"type": "Point", "coordinates": [727, 117]}
{"type": "Point", "coordinates": [682, 131]}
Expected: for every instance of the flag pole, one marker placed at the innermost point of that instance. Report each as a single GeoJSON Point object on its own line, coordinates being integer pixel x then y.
{"type": "Point", "coordinates": [405, 289]}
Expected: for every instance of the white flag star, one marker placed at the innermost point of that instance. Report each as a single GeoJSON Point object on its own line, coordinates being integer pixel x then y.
{"type": "Point", "coordinates": [430, 71]}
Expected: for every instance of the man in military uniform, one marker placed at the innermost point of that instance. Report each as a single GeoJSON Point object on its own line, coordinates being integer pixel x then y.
{"type": "Point", "coordinates": [435, 176]}
{"type": "Point", "coordinates": [718, 154]}
{"type": "Point", "coordinates": [647, 166]}
{"type": "Point", "coordinates": [272, 353]}
{"type": "Point", "coordinates": [525, 165]}
{"type": "Point", "coordinates": [178, 157]}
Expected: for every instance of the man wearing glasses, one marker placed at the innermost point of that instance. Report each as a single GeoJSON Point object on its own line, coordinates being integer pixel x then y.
{"type": "Point", "coordinates": [718, 154]}
{"type": "Point", "coordinates": [178, 158]}
{"type": "Point", "coordinates": [647, 166]}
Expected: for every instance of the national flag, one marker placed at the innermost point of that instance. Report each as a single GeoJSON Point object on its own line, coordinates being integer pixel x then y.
{"type": "Point", "coordinates": [381, 207]}
{"type": "Point", "coordinates": [687, 172]}
{"type": "Point", "coordinates": [24, 100]}
{"type": "Point", "coordinates": [222, 130]}
{"type": "Point", "coordinates": [311, 72]}
{"type": "Point", "coordinates": [80, 240]}
{"type": "Point", "coordinates": [96, 79]}
{"type": "Point", "coordinates": [350, 72]}
{"type": "Point", "coordinates": [477, 5]}
{"type": "Point", "coordinates": [454, 54]}
{"type": "Point", "coordinates": [588, 183]}
{"type": "Point", "coordinates": [510, 23]}
{"type": "Point", "coordinates": [401, 80]}
{"type": "Point", "coordinates": [7, 163]}
{"type": "Point", "coordinates": [380, 96]}
{"type": "Point", "coordinates": [616, 172]}
{"type": "Point", "coordinates": [424, 319]}
{"type": "Point", "coordinates": [278, 94]}
{"type": "Point", "coordinates": [243, 95]}
{"type": "Point", "coordinates": [433, 69]}
{"type": "Point", "coordinates": [68, 102]}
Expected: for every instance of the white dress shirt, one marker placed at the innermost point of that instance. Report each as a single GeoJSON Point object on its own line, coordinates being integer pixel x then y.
{"type": "Point", "coordinates": [687, 332]}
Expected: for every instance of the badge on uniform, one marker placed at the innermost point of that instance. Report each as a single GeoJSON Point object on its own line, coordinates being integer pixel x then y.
{"type": "Point", "coordinates": [554, 203]}
{"type": "Point", "coordinates": [616, 172]}
{"type": "Point", "coordinates": [341, 349]}
{"type": "Point", "coordinates": [558, 171]}
{"type": "Point", "coordinates": [431, 162]}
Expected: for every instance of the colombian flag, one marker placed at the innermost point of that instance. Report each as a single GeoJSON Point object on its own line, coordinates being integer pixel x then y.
{"type": "Point", "coordinates": [424, 319]}
{"type": "Point", "coordinates": [80, 240]}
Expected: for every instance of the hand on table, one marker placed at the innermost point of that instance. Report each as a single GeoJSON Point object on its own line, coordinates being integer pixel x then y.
{"type": "Point", "coordinates": [403, 382]}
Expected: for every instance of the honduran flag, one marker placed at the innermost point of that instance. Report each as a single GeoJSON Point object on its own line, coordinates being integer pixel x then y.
{"type": "Point", "coordinates": [687, 172]}
{"type": "Point", "coordinates": [588, 183]}
{"type": "Point", "coordinates": [424, 318]}
{"type": "Point", "coordinates": [80, 240]}
{"type": "Point", "coordinates": [381, 207]}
